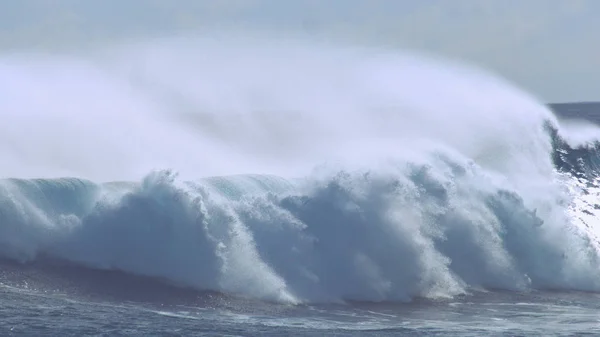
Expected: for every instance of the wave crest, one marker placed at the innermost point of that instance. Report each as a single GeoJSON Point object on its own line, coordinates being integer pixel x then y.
{"type": "Point", "coordinates": [439, 228]}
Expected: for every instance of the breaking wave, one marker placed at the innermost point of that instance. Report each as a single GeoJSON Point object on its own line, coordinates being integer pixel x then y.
{"type": "Point", "coordinates": [382, 176]}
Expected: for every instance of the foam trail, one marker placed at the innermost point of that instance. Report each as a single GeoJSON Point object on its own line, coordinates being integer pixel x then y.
{"type": "Point", "coordinates": [381, 175]}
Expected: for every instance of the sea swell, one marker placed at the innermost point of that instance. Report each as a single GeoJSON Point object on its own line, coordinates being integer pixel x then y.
{"type": "Point", "coordinates": [411, 178]}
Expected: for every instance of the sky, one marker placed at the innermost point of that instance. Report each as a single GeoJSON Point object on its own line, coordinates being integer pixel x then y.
{"type": "Point", "coordinates": [549, 47]}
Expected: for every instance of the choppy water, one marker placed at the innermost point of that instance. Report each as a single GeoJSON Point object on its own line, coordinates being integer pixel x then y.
{"type": "Point", "coordinates": [33, 313]}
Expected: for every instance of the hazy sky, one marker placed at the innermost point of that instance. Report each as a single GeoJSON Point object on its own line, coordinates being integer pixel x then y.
{"type": "Point", "coordinates": [549, 47]}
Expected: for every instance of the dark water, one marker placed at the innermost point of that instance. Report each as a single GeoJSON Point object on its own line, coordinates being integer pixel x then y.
{"type": "Point", "coordinates": [53, 300]}
{"type": "Point", "coordinates": [34, 313]}
{"type": "Point", "coordinates": [588, 111]}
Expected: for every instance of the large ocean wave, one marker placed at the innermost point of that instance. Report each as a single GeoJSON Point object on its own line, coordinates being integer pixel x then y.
{"type": "Point", "coordinates": [376, 176]}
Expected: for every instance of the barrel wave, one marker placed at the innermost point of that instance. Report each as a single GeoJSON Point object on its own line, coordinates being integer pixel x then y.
{"type": "Point", "coordinates": [347, 174]}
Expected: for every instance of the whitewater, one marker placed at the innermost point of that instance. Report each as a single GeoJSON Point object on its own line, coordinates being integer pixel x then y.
{"type": "Point", "coordinates": [291, 176]}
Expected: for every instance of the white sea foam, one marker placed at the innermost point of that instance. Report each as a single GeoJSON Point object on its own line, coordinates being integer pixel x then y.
{"type": "Point", "coordinates": [380, 175]}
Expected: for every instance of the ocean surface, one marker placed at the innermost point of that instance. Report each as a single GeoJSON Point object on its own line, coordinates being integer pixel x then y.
{"type": "Point", "coordinates": [241, 187]}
